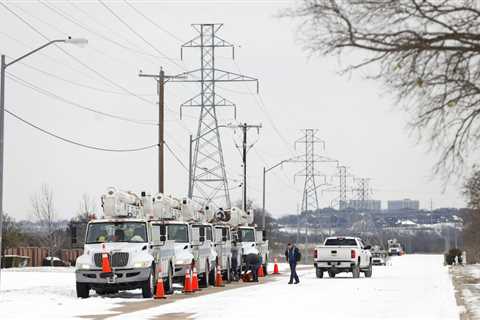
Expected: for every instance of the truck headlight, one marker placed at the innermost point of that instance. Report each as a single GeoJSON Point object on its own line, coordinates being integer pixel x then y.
{"type": "Point", "coordinates": [82, 266]}
{"type": "Point", "coordinates": [142, 264]}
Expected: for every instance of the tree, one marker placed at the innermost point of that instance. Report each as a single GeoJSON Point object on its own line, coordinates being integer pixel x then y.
{"type": "Point", "coordinates": [471, 236]}
{"type": "Point", "coordinates": [87, 208]}
{"type": "Point", "coordinates": [12, 236]}
{"type": "Point", "coordinates": [44, 211]}
{"type": "Point", "coordinates": [425, 51]}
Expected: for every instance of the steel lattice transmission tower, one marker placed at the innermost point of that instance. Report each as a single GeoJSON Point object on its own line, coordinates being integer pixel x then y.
{"type": "Point", "coordinates": [208, 178]}
{"type": "Point", "coordinates": [363, 192]}
{"type": "Point", "coordinates": [342, 175]}
{"type": "Point", "coordinates": [310, 196]}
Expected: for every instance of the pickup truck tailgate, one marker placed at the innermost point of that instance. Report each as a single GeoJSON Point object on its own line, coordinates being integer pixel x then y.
{"type": "Point", "coordinates": [334, 253]}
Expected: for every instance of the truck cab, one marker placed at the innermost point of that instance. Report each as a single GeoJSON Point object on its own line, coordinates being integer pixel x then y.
{"type": "Point", "coordinates": [132, 254]}
{"type": "Point", "coordinates": [244, 244]}
{"type": "Point", "coordinates": [204, 252]}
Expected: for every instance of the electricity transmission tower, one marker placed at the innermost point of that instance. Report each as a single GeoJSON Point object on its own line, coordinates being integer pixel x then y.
{"type": "Point", "coordinates": [310, 196]}
{"type": "Point", "coordinates": [342, 176]}
{"type": "Point", "coordinates": [363, 192]}
{"type": "Point", "coordinates": [208, 182]}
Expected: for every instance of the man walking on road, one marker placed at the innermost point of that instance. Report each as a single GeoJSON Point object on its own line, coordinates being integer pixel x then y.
{"type": "Point", "coordinates": [293, 256]}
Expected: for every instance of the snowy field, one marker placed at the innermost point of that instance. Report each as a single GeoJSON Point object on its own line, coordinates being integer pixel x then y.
{"type": "Point", "coordinates": [413, 287]}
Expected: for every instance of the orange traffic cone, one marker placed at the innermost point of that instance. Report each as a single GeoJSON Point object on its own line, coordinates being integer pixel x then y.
{"type": "Point", "coordinates": [160, 291]}
{"type": "Point", "coordinates": [105, 261]}
{"type": "Point", "coordinates": [195, 286]}
{"type": "Point", "coordinates": [218, 278]}
{"type": "Point", "coordinates": [275, 267]}
{"type": "Point", "coordinates": [260, 271]}
{"type": "Point", "coordinates": [187, 287]}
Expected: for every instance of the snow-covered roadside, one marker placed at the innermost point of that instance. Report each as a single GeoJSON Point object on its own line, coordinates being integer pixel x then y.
{"type": "Point", "coordinates": [47, 293]}
{"type": "Point", "coordinates": [467, 284]}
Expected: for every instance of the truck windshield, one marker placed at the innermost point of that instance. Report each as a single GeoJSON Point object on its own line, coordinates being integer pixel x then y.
{"type": "Point", "coordinates": [116, 232]}
{"type": "Point", "coordinates": [178, 232]}
{"type": "Point", "coordinates": [246, 235]}
{"type": "Point", "coordinates": [395, 245]}
{"type": "Point", "coordinates": [341, 242]}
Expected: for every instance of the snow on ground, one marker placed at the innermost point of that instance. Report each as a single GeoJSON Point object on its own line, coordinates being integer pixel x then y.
{"type": "Point", "coordinates": [467, 280]}
{"type": "Point", "coordinates": [414, 287]}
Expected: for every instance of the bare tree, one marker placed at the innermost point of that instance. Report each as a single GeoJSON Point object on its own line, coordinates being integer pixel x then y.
{"type": "Point", "coordinates": [87, 207]}
{"type": "Point", "coordinates": [425, 51]}
{"type": "Point", "coordinates": [44, 212]}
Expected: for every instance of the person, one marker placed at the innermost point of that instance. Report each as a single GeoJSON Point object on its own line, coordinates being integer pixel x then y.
{"type": "Point", "coordinates": [138, 235]}
{"type": "Point", "coordinates": [292, 254]}
{"type": "Point", "coordinates": [252, 261]}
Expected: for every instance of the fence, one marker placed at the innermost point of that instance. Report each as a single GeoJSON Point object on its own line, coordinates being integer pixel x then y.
{"type": "Point", "coordinates": [38, 254]}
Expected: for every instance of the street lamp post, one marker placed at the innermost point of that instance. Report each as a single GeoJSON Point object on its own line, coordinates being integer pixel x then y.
{"type": "Point", "coordinates": [3, 67]}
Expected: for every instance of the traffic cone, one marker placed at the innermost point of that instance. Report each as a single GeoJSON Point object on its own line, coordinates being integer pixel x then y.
{"type": "Point", "coordinates": [195, 286]}
{"type": "Point", "coordinates": [106, 267]}
{"type": "Point", "coordinates": [260, 271]}
{"type": "Point", "coordinates": [160, 292]}
{"type": "Point", "coordinates": [187, 287]}
{"type": "Point", "coordinates": [275, 267]}
{"type": "Point", "coordinates": [218, 278]}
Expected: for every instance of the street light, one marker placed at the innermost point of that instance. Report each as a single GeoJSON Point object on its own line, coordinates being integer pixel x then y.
{"type": "Point", "coordinates": [3, 66]}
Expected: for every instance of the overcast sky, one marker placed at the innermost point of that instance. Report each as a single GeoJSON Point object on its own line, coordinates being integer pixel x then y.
{"type": "Point", "coordinates": [358, 120]}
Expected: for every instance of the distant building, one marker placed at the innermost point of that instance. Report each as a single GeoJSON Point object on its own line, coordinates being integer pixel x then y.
{"type": "Point", "coordinates": [365, 204]}
{"type": "Point", "coordinates": [403, 204]}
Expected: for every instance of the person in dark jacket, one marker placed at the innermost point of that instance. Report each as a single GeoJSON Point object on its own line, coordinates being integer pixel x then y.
{"type": "Point", "coordinates": [252, 261]}
{"type": "Point", "coordinates": [292, 254]}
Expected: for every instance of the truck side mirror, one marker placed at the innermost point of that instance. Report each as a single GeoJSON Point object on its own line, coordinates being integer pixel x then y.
{"type": "Point", "coordinates": [368, 247]}
{"type": "Point", "coordinates": [235, 238]}
{"type": "Point", "coordinates": [163, 230]}
{"type": "Point", "coordinates": [224, 238]}
{"type": "Point", "coordinates": [264, 235]}
{"type": "Point", "coordinates": [163, 238]}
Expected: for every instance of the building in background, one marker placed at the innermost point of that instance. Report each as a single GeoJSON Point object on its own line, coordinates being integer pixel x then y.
{"type": "Point", "coordinates": [403, 204]}
{"type": "Point", "coordinates": [365, 204]}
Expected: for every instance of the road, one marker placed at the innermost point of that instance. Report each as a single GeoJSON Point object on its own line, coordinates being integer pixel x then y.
{"type": "Point", "coordinates": [413, 287]}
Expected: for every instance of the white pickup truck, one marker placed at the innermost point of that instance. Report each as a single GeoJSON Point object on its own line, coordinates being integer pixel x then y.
{"type": "Point", "coordinates": [343, 254]}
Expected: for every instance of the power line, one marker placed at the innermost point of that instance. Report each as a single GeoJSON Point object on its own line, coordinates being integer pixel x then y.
{"type": "Point", "coordinates": [75, 58]}
{"type": "Point", "coordinates": [175, 156]}
{"type": "Point", "coordinates": [75, 104]}
{"type": "Point", "coordinates": [75, 142]}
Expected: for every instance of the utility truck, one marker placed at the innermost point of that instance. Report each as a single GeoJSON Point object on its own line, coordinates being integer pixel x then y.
{"type": "Point", "coordinates": [394, 247]}
{"type": "Point", "coordinates": [192, 236]}
{"type": "Point", "coordinates": [245, 237]}
{"type": "Point", "coordinates": [134, 248]}
{"type": "Point", "coordinates": [342, 254]}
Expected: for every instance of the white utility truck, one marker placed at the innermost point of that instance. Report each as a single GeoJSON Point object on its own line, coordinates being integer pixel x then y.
{"type": "Point", "coordinates": [245, 239]}
{"type": "Point", "coordinates": [342, 254]}
{"type": "Point", "coordinates": [187, 228]}
{"type": "Point", "coordinates": [137, 250]}
{"type": "Point", "coordinates": [394, 248]}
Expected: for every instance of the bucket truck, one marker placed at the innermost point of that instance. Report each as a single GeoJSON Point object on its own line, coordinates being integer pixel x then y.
{"type": "Point", "coordinates": [193, 237]}
{"type": "Point", "coordinates": [135, 249]}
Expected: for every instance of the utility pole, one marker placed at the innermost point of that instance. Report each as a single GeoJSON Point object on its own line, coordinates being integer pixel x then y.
{"type": "Point", "coordinates": [161, 79]}
{"type": "Point", "coordinates": [208, 182]}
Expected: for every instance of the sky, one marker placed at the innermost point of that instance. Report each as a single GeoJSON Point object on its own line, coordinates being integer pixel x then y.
{"type": "Point", "coordinates": [359, 122]}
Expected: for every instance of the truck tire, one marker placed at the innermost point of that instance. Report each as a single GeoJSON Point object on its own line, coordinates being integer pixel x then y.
{"type": "Point", "coordinates": [319, 273]}
{"type": "Point", "coordinates": [83, 290]}
{"type": "Point", "coordinates": [356, 271]}
{"type": "Point", "coordinates": [331, 274]}
{"type": "Point", "coordinates": [168, 283]}
{"type": "Point", "coordinates": [368, 272]}
{"type": "Point", "coordinates": [148, 287]}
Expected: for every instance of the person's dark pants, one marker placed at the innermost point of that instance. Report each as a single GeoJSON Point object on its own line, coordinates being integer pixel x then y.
{"type": "Point", "coordinates": [293, 272]}
{"type": "Point", "coordinates": [254, 268]}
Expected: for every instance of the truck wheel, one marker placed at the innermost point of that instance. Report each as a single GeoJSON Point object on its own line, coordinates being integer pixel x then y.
{"type": "Point", "coordinates": [368, 272]}
{"type": "Point", "coordinates": [148, 287]}
{"type": "Point", "coordinates": [319, 273]}
{"type": "Point", "coordinates": [356, 271]}
{"type": "Point", "coordinates": [331, 274]}
{"type": "Point", "coordinates": [168, 283]}
{"type": "Point", "coordinates": [83, 290]}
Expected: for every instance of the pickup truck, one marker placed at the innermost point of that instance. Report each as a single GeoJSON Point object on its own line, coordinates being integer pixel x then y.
{"type": "Point", "coordinates": [343, 254]}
